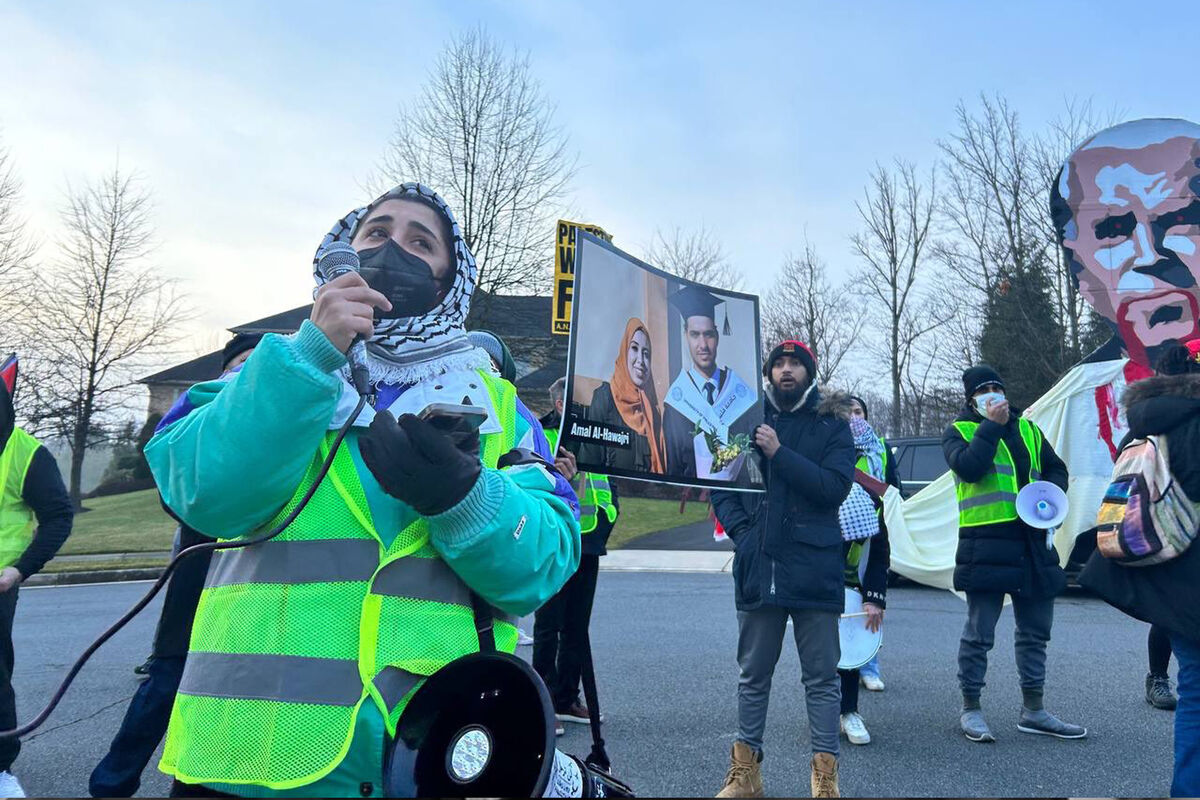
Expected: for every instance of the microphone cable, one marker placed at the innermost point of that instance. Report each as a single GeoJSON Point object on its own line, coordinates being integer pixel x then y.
{"type": "Point", "coordinates": [57, 697]}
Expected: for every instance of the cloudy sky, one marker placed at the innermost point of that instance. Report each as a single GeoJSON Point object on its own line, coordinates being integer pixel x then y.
{"type": "Point", "coordinates": [256, 124]}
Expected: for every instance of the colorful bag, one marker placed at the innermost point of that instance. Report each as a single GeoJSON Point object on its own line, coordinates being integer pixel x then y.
{"type": "Point", "coordinates": [1145, 517]}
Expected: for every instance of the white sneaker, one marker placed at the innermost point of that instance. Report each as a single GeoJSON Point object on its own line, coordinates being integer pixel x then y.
{"type": "Point", "coordinates": [855, 729]}
{"type": "Point", "coordinates": [872, 683]}
{"type": "Point", "coordinates": [523, 638]}
{"type": "Point", "coordinates": [10, 786]}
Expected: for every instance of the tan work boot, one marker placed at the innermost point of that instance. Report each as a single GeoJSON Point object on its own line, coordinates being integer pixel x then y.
{"type": "Point", "coordinates": [744, 778]}
{"type": "Point", "coordinates": [824, 775]}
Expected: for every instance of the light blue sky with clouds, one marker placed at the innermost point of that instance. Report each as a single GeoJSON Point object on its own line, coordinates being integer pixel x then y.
{"type": "Point", "coordinates": [256, 124]}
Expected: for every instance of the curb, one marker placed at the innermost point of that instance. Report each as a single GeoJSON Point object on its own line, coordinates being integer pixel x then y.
{"type": "Point", "coordinates": [705, 561]}
{"type": "Point", "coordinates": [667, 561]}
{"type": "Point", "coordinates": [94, 576]}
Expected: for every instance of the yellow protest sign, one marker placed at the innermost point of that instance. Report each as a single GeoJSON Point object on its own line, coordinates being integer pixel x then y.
{"type": "Point", "coordinates": [564, 270]}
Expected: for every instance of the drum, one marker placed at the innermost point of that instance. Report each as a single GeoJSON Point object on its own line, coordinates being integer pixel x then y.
{"type": "Point", "coordinates": [859, 645]}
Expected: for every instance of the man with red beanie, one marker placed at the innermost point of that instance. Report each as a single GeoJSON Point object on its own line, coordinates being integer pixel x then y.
{"type": "Point", "coordinates": [788, 562]}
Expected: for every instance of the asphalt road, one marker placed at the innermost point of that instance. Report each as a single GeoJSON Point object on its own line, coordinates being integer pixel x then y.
{"type": "Point", "coordinates": [665, 656]}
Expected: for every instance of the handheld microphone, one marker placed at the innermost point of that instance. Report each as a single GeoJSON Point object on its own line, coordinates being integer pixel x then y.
{"type": "Point", "coordinates": [338, 259]}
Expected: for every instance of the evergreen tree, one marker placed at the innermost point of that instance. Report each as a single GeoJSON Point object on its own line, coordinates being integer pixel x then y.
{"type": "Point", "coordinates": [1022, 337]}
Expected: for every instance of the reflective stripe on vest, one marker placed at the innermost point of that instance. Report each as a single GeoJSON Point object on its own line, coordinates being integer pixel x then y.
{"type": "Point", "coordinates": [292, 635]}
{"type": "Point", "coordinates": [993, 498]}
{"type": "Point", "coordinates": [16, 517]}
{"type": "Point", "coordinates": [596, 494]}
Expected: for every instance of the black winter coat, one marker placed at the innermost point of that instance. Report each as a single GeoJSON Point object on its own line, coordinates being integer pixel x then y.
{"type": "Point", "coordinates": [1009, 557]}
{"type": "Point", "coordinates": [1165, 594]}
{"type": "Point", "coordinates": [788, 543]}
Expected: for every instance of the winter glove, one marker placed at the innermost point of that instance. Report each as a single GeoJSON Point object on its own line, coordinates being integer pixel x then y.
{"type": "Point", "coordinates": [417, 463]}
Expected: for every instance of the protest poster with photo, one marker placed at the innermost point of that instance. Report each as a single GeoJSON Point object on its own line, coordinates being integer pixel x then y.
{"type": "Point", "coordinates": [662, 374]}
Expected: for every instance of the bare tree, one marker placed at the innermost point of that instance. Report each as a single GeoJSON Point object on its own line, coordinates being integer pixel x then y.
{"type": "Point", "coordinates": [16, 247]}
{"type": "Point", "coordinates": [695, 255]}
{"type": "Point", "coordinates": [482, 134]}
{"type": "Point", "coordinates": [897, 215]}
{"type": "Point", "coordinates": [996, 220]}
{"type": "Point", "coordinates": [803, 303]}
{"type": "Point", "coordinates": [97, 316]}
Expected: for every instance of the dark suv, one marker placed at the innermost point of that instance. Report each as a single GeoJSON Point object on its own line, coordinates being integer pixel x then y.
{"type": "Point", "coordinates": [919, 461]}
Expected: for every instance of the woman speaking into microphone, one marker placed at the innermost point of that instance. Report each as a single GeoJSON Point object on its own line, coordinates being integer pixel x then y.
{"type": "Point", "coordinates": [307, 647]}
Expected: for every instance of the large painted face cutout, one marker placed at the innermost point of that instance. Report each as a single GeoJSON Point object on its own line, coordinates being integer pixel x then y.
{"type": "Point", "coordinates": [1127, 208]}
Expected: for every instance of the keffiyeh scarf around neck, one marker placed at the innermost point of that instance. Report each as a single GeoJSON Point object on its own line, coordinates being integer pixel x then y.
{"type": "Point", "coordinates": [868, 444]}
{"type": "Point", "coordinates": [413, 349]}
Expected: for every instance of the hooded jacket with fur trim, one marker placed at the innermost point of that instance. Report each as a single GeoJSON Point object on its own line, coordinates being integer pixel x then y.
{"type": "Point", "coordinates": [1166, 594]}
{"type": "Point", "coordinates": [788, 541]}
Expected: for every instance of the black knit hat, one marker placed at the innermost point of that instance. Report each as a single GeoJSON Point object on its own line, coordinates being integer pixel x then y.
{"type": "Point", "coordinates": [240, 343]}
{"type": "Point", "coordinates": [796, 349]}
{"type": "Point", "coordinates": [978, 376]}
{"type": "Point", "coordinates": [863, 403]}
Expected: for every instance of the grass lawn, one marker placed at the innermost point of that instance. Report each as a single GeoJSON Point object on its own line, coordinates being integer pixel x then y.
{"type": "Point", "coordinates": [136, 523]}
{"type": "Point", "coordinates": [641, 515]}
{"type": "Point", "coordinates": [121, 523]}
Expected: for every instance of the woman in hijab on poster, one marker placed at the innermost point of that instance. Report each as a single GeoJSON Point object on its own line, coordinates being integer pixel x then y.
{"type": "Point", "coordinates": [629, 400]}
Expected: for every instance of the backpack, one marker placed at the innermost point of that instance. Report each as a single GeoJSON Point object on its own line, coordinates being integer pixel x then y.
{"type": "Point", "coordinates": [1145, 517]}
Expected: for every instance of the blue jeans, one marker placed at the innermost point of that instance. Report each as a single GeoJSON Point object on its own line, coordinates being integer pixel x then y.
{"type": "Point", "coordinates": [119, 774]}
{"type": "Point", "coordinates": [1186, 781]}
{"type": "Point", "coordinates": [871, 667]}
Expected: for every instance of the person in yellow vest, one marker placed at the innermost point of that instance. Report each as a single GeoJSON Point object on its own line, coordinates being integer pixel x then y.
{"type": "Point", "coordinates": [993, 451]}
{"type": "Point", "coordinates": [561, 626]}
{"type": "Point", "coordinates": [36, 515]}
{"type": "Point", "coordinates": [306, 649]}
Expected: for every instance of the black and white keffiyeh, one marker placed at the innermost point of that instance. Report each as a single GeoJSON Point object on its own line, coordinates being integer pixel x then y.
{"type": "Point", "coordinates": [412, 349]}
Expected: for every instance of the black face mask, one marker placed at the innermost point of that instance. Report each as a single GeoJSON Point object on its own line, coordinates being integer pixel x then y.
{"type": "Point", "coordinates": [404, 279]}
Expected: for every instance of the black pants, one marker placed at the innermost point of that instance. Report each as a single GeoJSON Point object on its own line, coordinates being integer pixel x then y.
{"type": "Point", "coordinates": [560, 632]}
{"type": "Point", "coordinates": [1158, 646]}
{"type": "Point", "coordinates": [849, 689]}
{"type": "Point", "coordinates": [9, 748]}
{"type": "Point", "coordinates": [119, 774]}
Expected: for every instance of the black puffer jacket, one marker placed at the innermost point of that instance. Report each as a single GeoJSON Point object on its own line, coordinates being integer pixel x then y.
{"type": "Point", "coordinates": [1165, 594]}
{"type": "Point", "coordinates": [1009, 557]}
{"type": "Point", "coordinates": [788, 542]}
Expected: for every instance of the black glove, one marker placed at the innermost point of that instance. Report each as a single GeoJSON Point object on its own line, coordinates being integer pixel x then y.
{"type": "Point", "coordinates": [417, 463]}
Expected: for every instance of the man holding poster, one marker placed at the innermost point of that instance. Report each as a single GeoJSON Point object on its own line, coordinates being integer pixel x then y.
{"type": "Point", "coordinates": [707, 405]}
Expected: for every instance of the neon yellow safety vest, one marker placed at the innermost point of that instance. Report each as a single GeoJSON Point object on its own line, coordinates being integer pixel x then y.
{"type": "Point", "coordinates": [865, 466]}
{"type": "Point", "coordinates": [596, 496]}
{"type": "Point", "coordinates": [16, 517]}
{"type": "Point", "coordinates": [293, 635]}
{"type": "Point", "coordinates": [993, 498]}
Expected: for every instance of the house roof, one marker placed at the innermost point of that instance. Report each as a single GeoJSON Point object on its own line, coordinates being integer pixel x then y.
{"type": "Point", "coordinates": [513, 315]}
{"type": "Point", "coordinates": [542, 377]}
{"type": "Point", "coordinates": [190, 372]}
{"type": "Point", "coordinates": [508, 316]}
{"type": "Point", "coordinates": [283, 322]}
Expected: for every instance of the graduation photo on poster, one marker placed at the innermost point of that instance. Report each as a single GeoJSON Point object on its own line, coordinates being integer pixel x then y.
{"type": "Point", "coordinates": [662, 376]}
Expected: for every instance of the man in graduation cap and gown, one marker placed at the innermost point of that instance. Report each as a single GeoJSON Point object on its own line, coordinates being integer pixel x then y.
{"type": "Point", "coordinates": [705, 395]}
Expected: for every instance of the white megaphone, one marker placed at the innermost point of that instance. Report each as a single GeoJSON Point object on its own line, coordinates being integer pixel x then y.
{"type": "Point", "coordinates": [1041, 504]}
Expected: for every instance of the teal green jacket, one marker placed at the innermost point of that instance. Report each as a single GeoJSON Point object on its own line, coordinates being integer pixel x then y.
{"type": "Point", "coordinates": [233, 458]}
